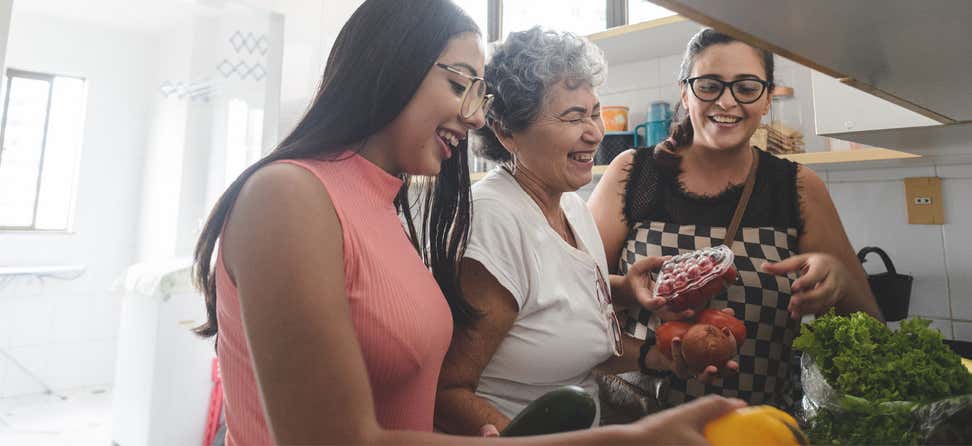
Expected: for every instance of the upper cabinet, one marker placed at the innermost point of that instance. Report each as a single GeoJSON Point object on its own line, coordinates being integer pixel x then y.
{"type": "Point", "coordinates": [839, 108]}
{"type": "Point", "coordinates": [884, 66]}
{"type": "Point", "coordinates": [915, 53]}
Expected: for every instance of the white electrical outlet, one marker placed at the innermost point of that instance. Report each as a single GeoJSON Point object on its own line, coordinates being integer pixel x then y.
{"type": "Point", "coordinates": [924, 201]}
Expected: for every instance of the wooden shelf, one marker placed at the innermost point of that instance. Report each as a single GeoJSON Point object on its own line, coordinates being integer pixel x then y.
{"type": "Point", "coordinates": [849, 156]}
{"type": "Point", "coordinates": [662, 37]}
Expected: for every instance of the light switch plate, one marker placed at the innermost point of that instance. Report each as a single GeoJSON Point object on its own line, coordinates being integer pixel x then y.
{"type": "Point", "coordinates": [924, 200]}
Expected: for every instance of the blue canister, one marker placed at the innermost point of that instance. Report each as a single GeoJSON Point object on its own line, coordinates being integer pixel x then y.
{"type": "Point", "coordinates": [660, 111]}
{"type": "Point", "coordinates": [656, 128]}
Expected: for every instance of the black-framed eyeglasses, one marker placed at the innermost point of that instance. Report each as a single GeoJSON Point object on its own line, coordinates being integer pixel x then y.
{"type": "Point", "coordinates": [745, 91]}
{"type": "Point", "coordinates": [474, 97]}
{"type": "Point", "coordinates": [607, 310]}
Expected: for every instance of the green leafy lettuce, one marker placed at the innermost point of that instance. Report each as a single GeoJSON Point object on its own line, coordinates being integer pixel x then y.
{"type": "Point", "coordinates": [861, 357]}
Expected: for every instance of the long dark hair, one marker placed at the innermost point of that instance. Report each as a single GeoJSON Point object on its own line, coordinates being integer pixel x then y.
{"type": "Point", "coordinates": [378, 61]}
{"type": "Point", "coordinates": [681, 133]}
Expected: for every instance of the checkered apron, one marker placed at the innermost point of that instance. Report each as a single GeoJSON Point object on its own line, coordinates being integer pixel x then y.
{"type": "Point", "coordinates": [759, 300]}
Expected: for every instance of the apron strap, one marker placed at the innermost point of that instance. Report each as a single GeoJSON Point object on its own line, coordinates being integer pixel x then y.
{"type": "Point", "coordinates": [743, 201]}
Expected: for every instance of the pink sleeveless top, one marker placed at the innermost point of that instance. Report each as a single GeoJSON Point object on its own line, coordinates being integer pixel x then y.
{"type": "Point", "coordinates": [400, 315]}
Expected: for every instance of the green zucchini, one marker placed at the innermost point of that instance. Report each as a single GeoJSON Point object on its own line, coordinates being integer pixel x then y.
{"type": "Point", "coordinates": [566, 409]}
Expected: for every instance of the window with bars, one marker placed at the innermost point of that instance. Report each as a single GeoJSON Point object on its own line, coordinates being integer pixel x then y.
{"type": "Point", "coordinates": [40, 142]}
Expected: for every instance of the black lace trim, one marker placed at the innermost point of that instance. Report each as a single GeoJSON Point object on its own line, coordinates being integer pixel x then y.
{"type": "Point", "coordinates": [653, 193]}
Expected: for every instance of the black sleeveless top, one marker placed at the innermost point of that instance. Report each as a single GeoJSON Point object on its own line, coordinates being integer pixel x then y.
{"type": "Point", "coordinates": [664, 219]}
{"type": "Point", "coordinates": [653, 192]}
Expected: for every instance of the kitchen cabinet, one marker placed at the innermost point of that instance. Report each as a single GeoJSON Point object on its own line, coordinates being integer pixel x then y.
{"type": "Point", "coordinates": [840, 108]}
{"type": "Point", "coordinates": [888, 69]}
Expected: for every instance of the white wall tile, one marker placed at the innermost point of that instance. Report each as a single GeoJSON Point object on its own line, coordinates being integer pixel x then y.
{"type": "Point", "coordinates": [632, 76]}
{"type": "Point", "coordinates": [962, 331]}
{"type": "Point", "coordinates": [873, 214]}
{"type": "Point", "coordinates": [668, 69]}
{"type": "Point", "coordinates": [66, 364]}
{"type": "Point", "coordinates": [842, 176]}
{"type": "Point", "coordinates": [70, 316]}
{"type": "Point", "coordinates": [670, 93]}
{"type": "Point", "coordinates": [19, 382]}
{"type": "Point", "coordinates": [32, 320]}
{"type": "Point", "coordinates": [956, 171]}
{"type": "Point", "coordinates": [4, 365]}
{"type": "Point", "coordinates": [944, 326]}
{"type": "Point", "coordinates": [6, 322]}
{"type": "Point", "coordinates": [957, 195]}
{"type": "Point", "coordinates": [80, 364]}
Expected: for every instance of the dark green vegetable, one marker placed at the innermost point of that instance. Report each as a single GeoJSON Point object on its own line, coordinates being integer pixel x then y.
{"type": "Point", "coordinates": [872, 366]}
{"type": "Point", "coordinates": [863, 428]}
{"type": "Point", "coordinates": [860, 356]}
{"type": "Point", "coordinates": [568, 408]}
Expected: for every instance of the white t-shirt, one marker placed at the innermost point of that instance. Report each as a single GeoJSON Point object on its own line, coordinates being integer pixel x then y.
{"type": "Point", "coordinates": [560, 333]}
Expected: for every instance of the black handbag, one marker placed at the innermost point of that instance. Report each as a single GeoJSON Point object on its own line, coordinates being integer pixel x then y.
{"type": "Point", "coordinates": [892, 290]}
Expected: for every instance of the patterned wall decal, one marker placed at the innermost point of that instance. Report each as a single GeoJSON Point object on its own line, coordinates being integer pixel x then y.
{"type": "Point", "coordinates": [251, 49]}
{"type": "Point", "coordinates": [201, 90]}
{"type": "Point", "coordinates": [242, 69]}
{"type": "Point", "coordinates": [250, 42]}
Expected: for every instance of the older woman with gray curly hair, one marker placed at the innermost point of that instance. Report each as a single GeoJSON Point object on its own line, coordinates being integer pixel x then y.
{"type": "Point", "coordinates": [535, 266]}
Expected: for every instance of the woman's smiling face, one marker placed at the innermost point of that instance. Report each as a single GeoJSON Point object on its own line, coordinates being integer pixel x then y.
{"type": "Point", "coordinates": [558, 148]}
{"type": "Point", "coordinates": [725, 123]}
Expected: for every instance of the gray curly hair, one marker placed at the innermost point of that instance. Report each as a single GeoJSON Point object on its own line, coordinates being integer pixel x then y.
{"type": "Point", "coordinates": [520, 73]}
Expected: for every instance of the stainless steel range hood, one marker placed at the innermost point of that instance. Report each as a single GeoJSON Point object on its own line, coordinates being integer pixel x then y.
{"type": "Point", "coordinates": [917, 54]}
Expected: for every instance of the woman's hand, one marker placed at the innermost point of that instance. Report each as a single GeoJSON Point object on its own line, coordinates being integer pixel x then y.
{"type": "Point", "coordinates": [684, 424]}
{"type": "Point", "coordinates": [638, 284]}
{"type": "Point", "coordinates": [678, 366]}
{"type": "Point", "coordinates": [823, 282]}
{"type": "Point", "coordinates": [711, 372]}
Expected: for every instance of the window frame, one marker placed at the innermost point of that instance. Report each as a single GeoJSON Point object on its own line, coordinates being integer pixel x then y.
{"type": "Point", "coordinates": [49, 78]}
{"type": "Point", "coordinates": [617, 15]}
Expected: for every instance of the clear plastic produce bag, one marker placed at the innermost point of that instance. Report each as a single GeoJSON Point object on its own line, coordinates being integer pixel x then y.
{"type": "Point", "coordinates": [834, 418]}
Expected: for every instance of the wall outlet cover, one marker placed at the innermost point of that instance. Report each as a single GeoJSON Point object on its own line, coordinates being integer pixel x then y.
{"type": "Point", "coordinates": [924, 201]}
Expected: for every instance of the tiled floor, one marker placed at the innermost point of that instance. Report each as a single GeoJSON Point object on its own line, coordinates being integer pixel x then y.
{"type": "Point", "coordinates": [80, 417]}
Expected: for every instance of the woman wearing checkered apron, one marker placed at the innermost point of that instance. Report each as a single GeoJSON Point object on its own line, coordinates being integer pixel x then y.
{"type": "Point", "coordinates": [681, 196]}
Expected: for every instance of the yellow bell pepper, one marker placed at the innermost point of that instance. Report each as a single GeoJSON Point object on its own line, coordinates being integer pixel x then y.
{"type": "Point", "coordinates": [756, 426]}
